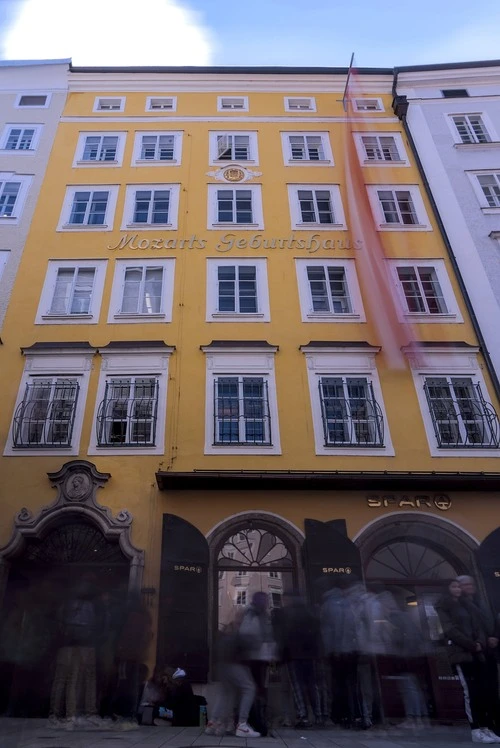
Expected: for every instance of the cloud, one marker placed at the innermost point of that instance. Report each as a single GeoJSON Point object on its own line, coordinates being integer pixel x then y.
{"type": "Point", "coordinates": [475, 41]}
{"type": "Point", "coordinates": [110, 32]}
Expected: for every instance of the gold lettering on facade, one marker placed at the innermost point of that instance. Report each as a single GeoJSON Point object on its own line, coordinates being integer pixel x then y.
{"type": "Point", "coordinates": [440, 501]}
{"type": "Point", "coordinates": [314, 243]}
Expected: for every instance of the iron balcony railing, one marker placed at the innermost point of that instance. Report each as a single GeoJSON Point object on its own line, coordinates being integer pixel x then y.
{"type": "Point", "coordinates": [127, 416]}
{"type": "Point", "coordinates": [241, 411]}
{"type": "Point", "coordinates": [351, 415]}
{"type": "Point", "coordinates": [45, 417]}
{"type": "Point", "coordinates": [461, 417]}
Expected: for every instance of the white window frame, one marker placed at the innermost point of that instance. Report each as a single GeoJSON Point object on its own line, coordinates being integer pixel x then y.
{"type": "Point", "coordinates": [109, 217]}
{"type": "Point", "coordinates": [453, 311]}
{"type": "Point", "coordinates": [263, 311]}
{"type": "Point", "coordinates": [212, 212]}
{"type": "Point", "coordinates": [446, 362]}
{"type": "Point", "coordinates": [136, 155]}
{"type": "Point", "coordinates": [478, 190]}
{"type": "Point", "coordinates": [423, 224]}
{"type": "Point", "coordinates": [57, 363]}
{"type": "Point", "coordinates": [398, 140]}
{"type": "Point", "coordinates": [242, 595]}
{"type": "Point", "coordinates": [308, 314]}
{"type": "Point", "coordinates": [98, 99]}
{"type": "Point", "coordinates": [133, 362]}
{"type": "Point", "coordinates": [325, 144]}
{"type": "Point", "coordinates": [78, 161]}
{"type": "Point", "coordinates": [18, 104]}
{"type": "Point", "coordinates": [222, 108]}
{"type": "Point", "coordinates": [240, 361]}
{"type": "Point", "coordinates": [4, 258]}
{"type": "Point", "coordinates": [359, 107]}
{"type": "Point", "coordinates": [23, 126]}
{"type": "Point", "coordinates": [173, 207]}
{"type": "Point", "coordinates": [310, 108]}
{"type": "Point", "coordinates": [165, 315]}
{"type": "Point", "coordinates": [43, 315]}
{"type": "Point", "coordinates": [24, 181]}
{"type": "Point", "coordinates": [487, 124]}
{"type": "Point", "coordinates": [341, 361]}
{"type": "Point", "coordinates": [213, 149]}
{"type": "Point", "coordinates": [335, 200]}
{"type": "Point", "coordinates": [150, 108]}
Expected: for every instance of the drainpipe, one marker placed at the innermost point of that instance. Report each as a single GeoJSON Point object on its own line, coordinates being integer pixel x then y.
{"type": "Point", "coordinates": [400, 108]}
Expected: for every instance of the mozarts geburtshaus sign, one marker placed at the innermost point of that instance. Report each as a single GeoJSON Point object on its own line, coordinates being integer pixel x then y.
{"type": "Point", "coordinates": [227, 242]}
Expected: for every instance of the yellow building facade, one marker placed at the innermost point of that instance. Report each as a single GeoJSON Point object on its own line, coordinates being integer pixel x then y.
{"type": "Point", "coordinates": [199, 340]}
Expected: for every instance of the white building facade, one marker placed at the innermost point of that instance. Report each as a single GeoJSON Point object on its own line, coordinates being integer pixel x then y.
{"type": "Point", "coordinates": [452, 114]}
{"type": "Point", "coordinates": [32, 96]}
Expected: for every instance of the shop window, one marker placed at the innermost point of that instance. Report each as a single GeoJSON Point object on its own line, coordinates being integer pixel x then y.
{"type": "Point", "coordinates": [237, 290]}
{"type": "Point", "coordinates": [241, 410]}
{"type": "Point", "coordinates": [306, 148]}
{"type": "Point", "coordinates": [237, 206]}
{"type": "Point", "coordinates": [328, 289]}
{"type": "Point", "coordinates": [398, 207]}
{"type": "Point", "coordinates": [142, 291]}
{"type": "Point", "coordinates": [233, 146]}
{"type": "Point", "coordinates": [316, 206]}
{"type": "Point", "coordinates": [157, 148]}
{"type": "Point", "coordinates": [128, 413]}
{"type": "Point", "coordinates": [72, 292]}
{"type": "Point", "coordinates": [151, 206]}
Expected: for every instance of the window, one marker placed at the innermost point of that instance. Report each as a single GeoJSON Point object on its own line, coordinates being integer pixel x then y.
{"type": "Point", "coordinates": [34, 101]}
{"type": "Point", "coordinates": [471, 128]}
{"type": "Point", "coordinates": [275, 600]}
{"type": "Point", "coordinates": [237, 290]}
{"type": "Point", "coordinates": [46, 414]}
{"type": "Point", "coordinates": [316, 205]}
{"type": "Point", "coordinates": [300, 104]}
{"type": "Point", "coordinates": [274, 575]}
{"type": "Point", "coordinates": [455, 93]}
{"type": "Point", "coordinates": [21, 138]}
{"type": "Point", "coordinates": [306, 148]}
{"type": "Point", "coordinates": [398, 207]}
{"type": "Point", "coordinates": [127, 415]}
{"type": "Point", "coordinates": [97, 149]}
{"type": "Point", "coordinates": [329, 289]}
{"type": "Point", "coordinates": [242, 573]}
{"type": "Point", "coordinates": [238, 206]}
{"type": "Point", "coordinates": [234, 102]}
{"type": "Point", "coordinates": [109, 104]}
{"type": "Point", "coordinates": [72, 292]}
{"type": "Point", "coordinates": [422, 290]}
{"type": "Point", "coordinates": [131, 399]}
{"type": "Point", "coordinates": [13, 191]}
{"type": "Point", "coordinates": [157, 148]}
{"type": "Point", "coordinates": [49, 409]}
{"type": "Point", "coordinates": [368, 105]}
{"type": "Point", "coordinates": [380, 148]}
{"type": "Point", "coordinates": [460, 414]}
{"type": "Point", "coordinates": [150, 206]}
{"type": "Point", "coordinates": [346, 400]}
{"type": "Point", "coordinates": [87, 208]}
{"type": "Point", "coordinates": [351, 415]}
{"type": "Point", "coordinates": [241, 408]}
{"type": "Point", "coordinates": [233, 146]}
{"type": "Point", "coordinates": [241, 597]}
{"type": "Point", "coordinates": [490, 186]}
{"type": "Point", "coordinates": [161, 103]}
{"type": "Point", "coordinates": [142, 290]}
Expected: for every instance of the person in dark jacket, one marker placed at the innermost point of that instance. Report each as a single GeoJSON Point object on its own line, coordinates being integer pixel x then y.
{"type": "Point", "coordinates": [297, 633]}
{"type": "Point", "coordinates": [464, 630]}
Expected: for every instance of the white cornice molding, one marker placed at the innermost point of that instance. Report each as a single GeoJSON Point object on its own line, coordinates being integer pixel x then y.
{"type": "Point", "coordinates": [459, 77]}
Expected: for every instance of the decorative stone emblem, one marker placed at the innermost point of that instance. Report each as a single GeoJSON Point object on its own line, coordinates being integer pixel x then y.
{"type": "Point", "coordinates": [77, 487]}
{"type": "Point", "coordinates": [233, 173]}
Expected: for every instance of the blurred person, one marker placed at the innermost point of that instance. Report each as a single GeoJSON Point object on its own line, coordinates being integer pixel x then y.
{"type": "Point", "coordinates": [110, 619]}
{"type": "Point", "coordinates": [298, 637]}
{"type": "Point", "coordinates": [331, 624]}
{"type": "Point", "coordinates": [259, 651]}
{"type": "Point", "coordinates": [463, 628]}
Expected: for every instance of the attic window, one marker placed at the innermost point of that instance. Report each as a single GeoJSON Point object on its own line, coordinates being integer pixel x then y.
{"type": "Point", "coordinates": [300, 105]}
{"type": "Point", "coordinates": [368, 105]}
{"type": "Point", "coordinates": [110, 105]}
{"type": "Point", "coordinates": [454, 93]}
{"type": "Point", "coordinates": [157, 104]}
{"type": "Point", "coordinates": [32, 100]}
{"type": "Point", "coordinates": [240, 102]}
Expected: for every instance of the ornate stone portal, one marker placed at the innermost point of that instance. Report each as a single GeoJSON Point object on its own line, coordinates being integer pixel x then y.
{"type": "Point", "coordinates": [77, 483]}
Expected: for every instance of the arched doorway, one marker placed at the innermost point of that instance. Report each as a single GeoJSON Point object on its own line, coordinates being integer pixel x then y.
{"type": "Point", "coordinates": [413, 558]}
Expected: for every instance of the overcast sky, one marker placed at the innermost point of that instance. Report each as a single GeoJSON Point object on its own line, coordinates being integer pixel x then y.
{"type": "Point", "coordinates": [250, 32]}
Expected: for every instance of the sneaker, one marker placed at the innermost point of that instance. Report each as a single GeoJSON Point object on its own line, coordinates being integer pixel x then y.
{"type": "Point", "coordinates": [243, 730]}
{"type": "Point", "coordinates": [491, 734]}
{"type": "Point", "coordinates": [210, 728]}
{"type": "Point", "coordinates": [215, 727]}
{"type": "Point", "coordinates": [479, 736]}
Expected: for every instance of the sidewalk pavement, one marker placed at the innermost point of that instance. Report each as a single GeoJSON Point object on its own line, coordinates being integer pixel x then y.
{"type": "Point", "coordinates": [33, 733]}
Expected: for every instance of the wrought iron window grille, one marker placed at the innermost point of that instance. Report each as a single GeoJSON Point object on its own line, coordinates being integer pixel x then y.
{"type": "Point", "coordinates": [254, 548]}
{"type": "Point", "coordinates": [350, 413]}
{"type": "Point", "coordinates": [127, 416]}
{"type": "Point", "coordinates": [45, 417]}
{"type": "Point", "coordinates": [241, 411]}
{"type": "Point", "coordinates": [461, 416]}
